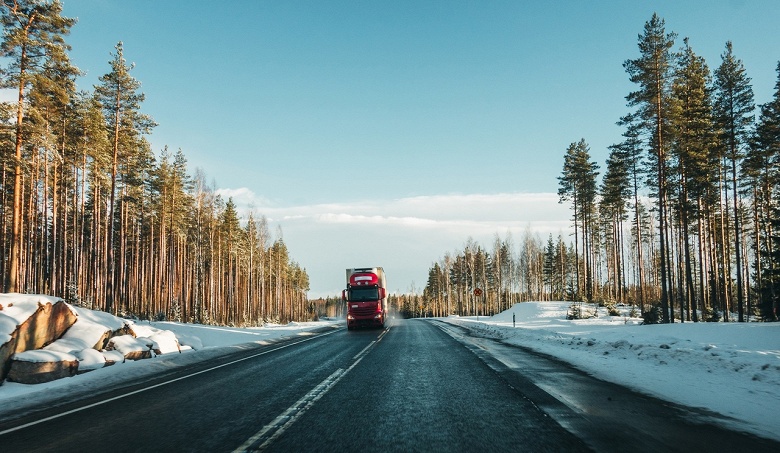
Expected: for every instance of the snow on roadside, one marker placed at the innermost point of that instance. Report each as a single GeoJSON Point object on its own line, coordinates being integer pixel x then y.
{"type": "Point", "coordinates": [729, 368]}
{"type": "Point", "coordinates": [202, 344]}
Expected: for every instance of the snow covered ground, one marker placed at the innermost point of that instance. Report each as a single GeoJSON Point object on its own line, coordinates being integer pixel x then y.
{"type": "Point", "coordinates": [206, 342]}
{"type": "Point", "coordinates": [729, 368]}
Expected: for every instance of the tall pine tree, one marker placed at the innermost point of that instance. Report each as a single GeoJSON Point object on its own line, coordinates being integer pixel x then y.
{"type": "Point", "coordinates": [577, 184]}
{"type": "Point", "coordinates": [33, 39]}
{"type": "Point", "coordinates": [691, 150]}
{"type": "Point", "coordinates": [734, 118]}
{"type": "Point", "coordinates": [653, 72]}
{"type": "Point", "coordinates": [761, 163]}
{"type": "Point", "coordinates": [119, 94]}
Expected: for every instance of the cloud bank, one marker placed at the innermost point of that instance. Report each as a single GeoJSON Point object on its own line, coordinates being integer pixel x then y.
{"type": "Point", "coordinates": [405, 236]}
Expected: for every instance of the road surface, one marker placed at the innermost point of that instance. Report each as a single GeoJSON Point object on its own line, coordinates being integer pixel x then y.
{"type": "Point", "coordinates": [416, 386]}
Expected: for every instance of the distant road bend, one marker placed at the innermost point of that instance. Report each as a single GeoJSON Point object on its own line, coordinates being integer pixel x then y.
{"type": "Point", "coordinates": [418, 385]}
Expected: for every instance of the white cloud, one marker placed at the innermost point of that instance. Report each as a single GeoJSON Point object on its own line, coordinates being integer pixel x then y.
{"type": "Point", "coordinates": [403, 235]}
{"type": "Point", "coordinates": [244, 198]}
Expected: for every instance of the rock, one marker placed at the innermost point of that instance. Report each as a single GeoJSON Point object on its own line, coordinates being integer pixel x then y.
{"type": "Point", "coordinates": [131, 348]}
{"type": "Point", "coordinates": [112, 357]}
{"type": "Point", "coordinates": [39, 320]}
{"type": "Point", "coordinates": [37, 367]}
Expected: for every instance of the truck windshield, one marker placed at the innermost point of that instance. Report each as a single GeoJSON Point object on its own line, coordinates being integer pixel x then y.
{"type": "Point", "coordinates": [363, 294]}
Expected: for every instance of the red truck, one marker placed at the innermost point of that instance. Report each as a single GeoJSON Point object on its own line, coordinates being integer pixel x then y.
{"type": "Point", "coordinates": [366, 297]}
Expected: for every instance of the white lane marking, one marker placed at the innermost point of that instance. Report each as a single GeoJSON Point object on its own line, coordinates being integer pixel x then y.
{"type": "Point", "coordinates": [364, 350]}
{"type": "Point", "coordinates": [72, 411]}
{"type": "Point", "coordinates": [281, 423]}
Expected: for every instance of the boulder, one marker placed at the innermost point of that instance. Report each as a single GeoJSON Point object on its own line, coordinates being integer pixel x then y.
{"type": "Point", "coordinates": [131, 348]}
{"type": "Point", "coordinates": [112, 357]}
{"type": "Point", "coordinates": [37, 367]}
{"type": "Point", "coordinates": [34, 321]}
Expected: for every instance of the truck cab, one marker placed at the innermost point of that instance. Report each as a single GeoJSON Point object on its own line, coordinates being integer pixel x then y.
{"type": "Point", "coordinates": [366, 297]}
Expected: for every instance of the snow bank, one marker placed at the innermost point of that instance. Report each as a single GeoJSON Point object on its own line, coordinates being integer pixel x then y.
{"type": "Point", "coordinates": [164, 340]}
{"type": "Point", "coordinates": [200, 336]}
{"type": "Point", "coordinates": [90, 360]}
{"type": "Point", "coordinates": [730, 368]}
{"type": "Point", "coordinates": [213, 344]}
{"type": "Point", "coordinates": [83, 334]}
{"type": "Point", "coordinates": [19, 307]}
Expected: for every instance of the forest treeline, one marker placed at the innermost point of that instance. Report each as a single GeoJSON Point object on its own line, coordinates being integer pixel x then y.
{"type": "Point", "coordinates": [685, 221]}
{"type": "Point", "coordinates": [90, 213]}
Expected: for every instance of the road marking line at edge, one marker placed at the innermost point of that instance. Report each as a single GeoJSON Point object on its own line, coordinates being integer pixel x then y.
{"type": "Point", "coordinates": [282, 422]}
{"type": "Point", "coordinates": [73, 411]}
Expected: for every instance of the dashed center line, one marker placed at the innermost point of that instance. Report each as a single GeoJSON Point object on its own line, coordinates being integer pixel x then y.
{"type": "Point", "coordinates": [270, 432]}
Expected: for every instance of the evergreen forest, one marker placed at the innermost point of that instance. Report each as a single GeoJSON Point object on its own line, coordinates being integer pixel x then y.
{"type": "Point", "coordinates": [684, 223]}
{"type": "Point", "coordinates": [90, 213]}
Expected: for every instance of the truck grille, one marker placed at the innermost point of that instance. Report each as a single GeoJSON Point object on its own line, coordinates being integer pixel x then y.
{"type": "Point", "coordinates": [363, 311]}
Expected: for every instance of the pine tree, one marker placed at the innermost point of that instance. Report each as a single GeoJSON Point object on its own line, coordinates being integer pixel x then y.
{"type": "Point", "coordinates": [118, 93]}
{"type": "Point", "coordinates": [578, 184]}
{"type": "Point", "coordinates": [631, 150]}
{"type": "Point", "coordinates": [691, 164]}
{"type": "Point", "coordinates": [761, 165]}
{"type": "Point", "coordinates": [734, 117]}
{"type": "Point", "coordinates": [615, 191]}
{"type": "Point", "coordinates": [549, 269]}
{"type": "Point", "coordinates": [33, 40]}
{"type": "Point", "coordinates": [434, 288]}
{"type": "Point", "coordinates": [652, 71]}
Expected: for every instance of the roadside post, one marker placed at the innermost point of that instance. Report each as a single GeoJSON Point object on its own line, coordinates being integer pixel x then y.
{"type": "Point", "coordinates": [513, 320]}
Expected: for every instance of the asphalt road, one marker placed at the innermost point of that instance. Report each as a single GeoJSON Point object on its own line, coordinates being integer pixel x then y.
{"type": "Point", "coordinates": [411, 387]}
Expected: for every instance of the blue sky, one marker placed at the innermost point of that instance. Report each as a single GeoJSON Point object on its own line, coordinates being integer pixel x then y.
{"type": "Point", "coordinates": [388, 132]}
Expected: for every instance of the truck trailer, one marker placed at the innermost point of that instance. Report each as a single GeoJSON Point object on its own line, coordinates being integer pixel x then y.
{"type": "Point", "coordinates": [366, 297]}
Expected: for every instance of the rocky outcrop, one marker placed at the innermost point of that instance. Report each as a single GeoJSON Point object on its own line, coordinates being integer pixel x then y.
{"type": "Point", "coordinates": [39, 321]}
{"type": "Point", "coordinates": [42, 338]}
